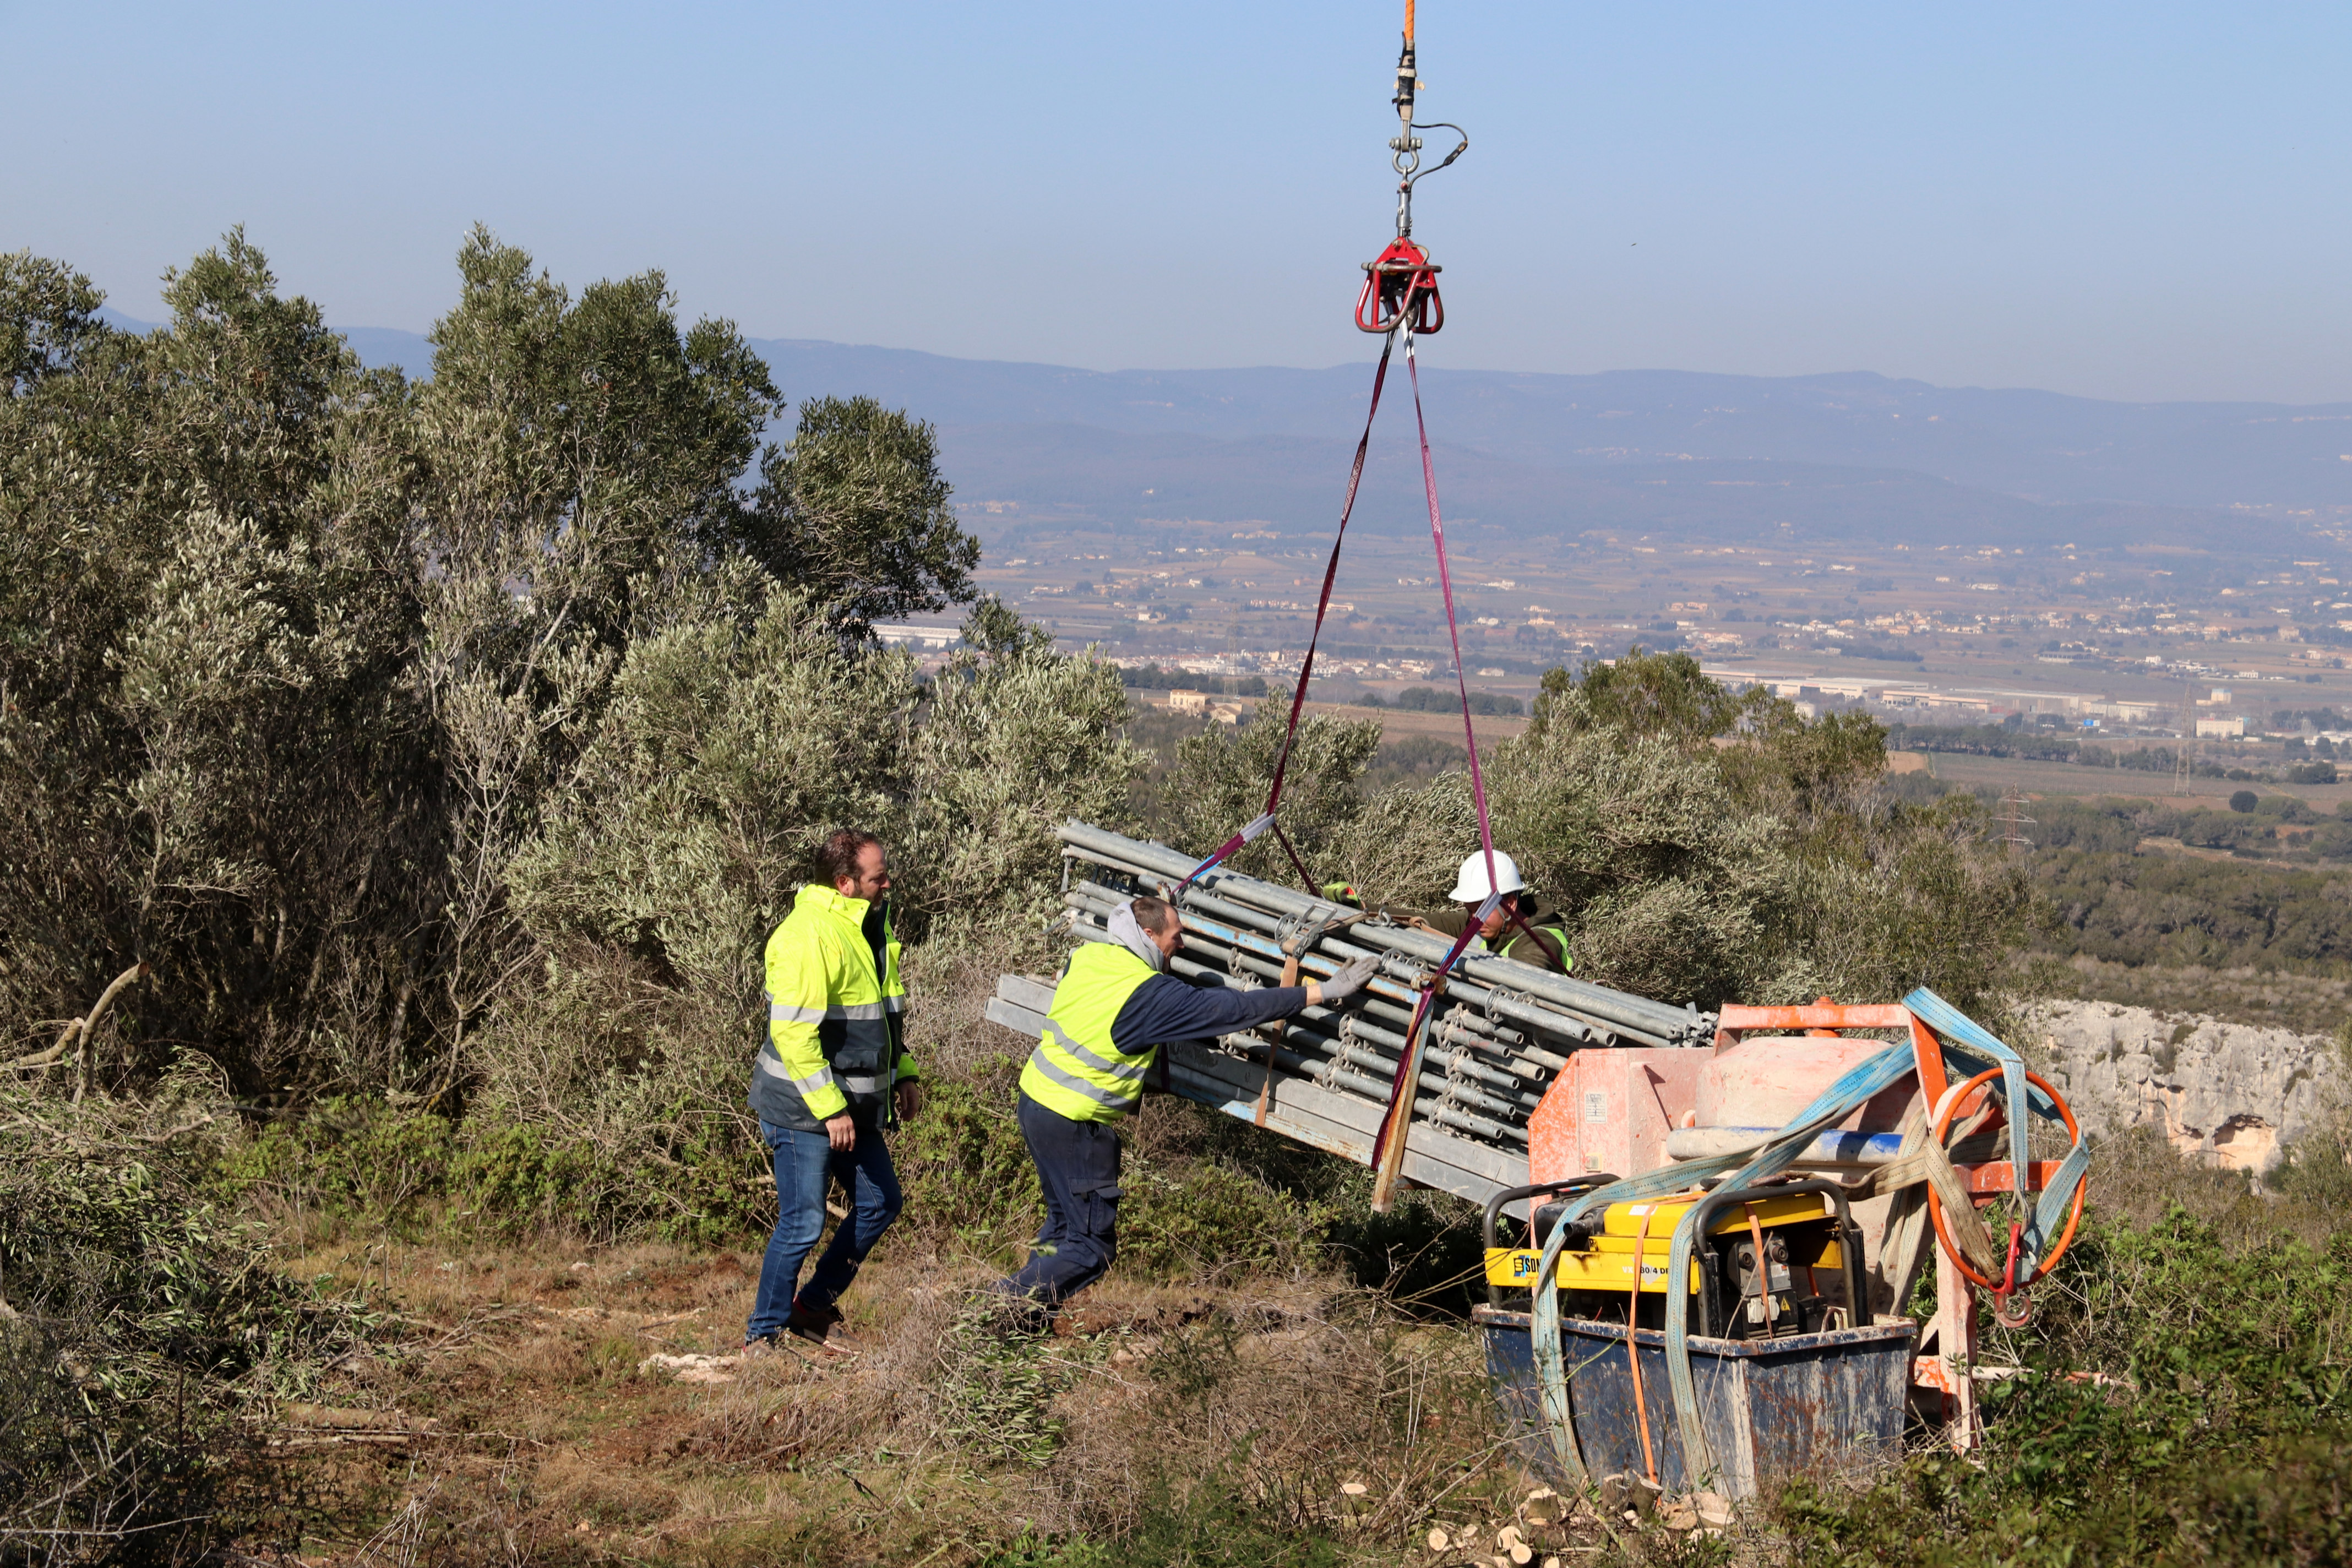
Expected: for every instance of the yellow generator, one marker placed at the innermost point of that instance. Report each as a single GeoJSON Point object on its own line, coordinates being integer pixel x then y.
{"type": "Point", "coordinates": [1808, 1281]}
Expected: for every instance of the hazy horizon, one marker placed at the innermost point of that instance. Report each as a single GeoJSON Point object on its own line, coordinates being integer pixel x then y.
{"type": "Point", "coordinates": [379, 345]}
{"type": "Point", "coordinates": [2131, 203]}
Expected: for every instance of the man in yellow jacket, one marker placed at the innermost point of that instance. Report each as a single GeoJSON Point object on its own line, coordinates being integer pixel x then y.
{"type": "Point", "coordinates": [831, 1067]}
{"type": "Point", "coordinates": [1115, 1005]}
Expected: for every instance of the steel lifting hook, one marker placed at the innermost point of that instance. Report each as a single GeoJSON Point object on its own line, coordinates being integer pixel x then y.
{"type": "Point", "coordinates": [2011, 1307]}
{"type": "Point", "coordinates": [1401, 284]}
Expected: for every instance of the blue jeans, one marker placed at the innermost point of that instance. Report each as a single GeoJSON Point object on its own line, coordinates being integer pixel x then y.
{"type": "Point", "coordinates": [804, 1162]}
{"type": "Point", "coordinates": [1078, 1171]}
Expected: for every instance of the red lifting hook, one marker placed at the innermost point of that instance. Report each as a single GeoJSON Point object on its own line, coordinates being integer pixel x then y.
{"type": "Point", "coordinates": [1401, 282]}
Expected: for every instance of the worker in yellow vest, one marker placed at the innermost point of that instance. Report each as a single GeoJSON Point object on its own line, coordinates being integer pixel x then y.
{"type": "Point", "coordinates": [1115, 1005]}
{"type": "Point", "coordinates": [831, 1069]}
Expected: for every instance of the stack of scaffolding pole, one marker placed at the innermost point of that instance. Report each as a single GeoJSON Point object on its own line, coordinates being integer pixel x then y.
{"type": "Point", "coordinates": [1496, 1040]}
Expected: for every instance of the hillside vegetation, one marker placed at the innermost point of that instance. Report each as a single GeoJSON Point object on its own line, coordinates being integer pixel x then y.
{"type": "Point", "coordinates": [2243, 914]}
{"type": "Point", "coordinates": [420, 767]}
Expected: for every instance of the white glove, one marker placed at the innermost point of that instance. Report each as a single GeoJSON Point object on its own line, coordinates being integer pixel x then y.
{"type": "Point", "coordinates": [1348, 979]}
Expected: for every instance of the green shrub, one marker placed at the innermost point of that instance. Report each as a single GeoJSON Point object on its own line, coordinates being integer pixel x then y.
{"type": "Point", "coordinates": [996, 1391]}
{"type": "Point", "coordinates": [514, 1177]}
{"type": "Point", "coordinates": [1190, 1213]}
{"type": "Point", "coordinates": [1207, 1221]}
{"type": "Point", "coordinates": [1187, 1213]}
{"type": "Point", "coordinates": [349, 1157]}
{"type": "Point", "coordinates": [965, 1168]}
{"type": "Point", "coordinates": [141, 1328]}
{"type": "Point", "coordinates": [356, 1161]}
{"type": "Point", "coordinates": [2222, 1443]}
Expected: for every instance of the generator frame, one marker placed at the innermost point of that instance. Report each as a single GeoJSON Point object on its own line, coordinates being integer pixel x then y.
{"type": "Point", "coordinates": [1944, 1362]}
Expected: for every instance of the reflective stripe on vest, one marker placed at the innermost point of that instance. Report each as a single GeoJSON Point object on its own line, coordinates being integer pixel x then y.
{"type": "Point", "coordinates": [768, 1062]}
{"type": "Point", "coordinates": [1075, 1070]}
{"type": "Point", "coordinates": [1537, 956]}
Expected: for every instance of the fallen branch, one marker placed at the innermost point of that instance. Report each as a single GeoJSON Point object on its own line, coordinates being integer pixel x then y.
{"type": "Point", "coordinates": [348, 1439]}
{"type": "Point", "coordinates": [335, 1418]}
{"type": "Point", "coordinates": [101, 1531]}
{"type": "Point", "coordinates": [152, 1139]}
{"type": "Point", "coordinates": [647, 1328]}
{"type": "Point", "coordinates": [89, 1026]}
{"type": "Point", "coordinates": [49, 1058]}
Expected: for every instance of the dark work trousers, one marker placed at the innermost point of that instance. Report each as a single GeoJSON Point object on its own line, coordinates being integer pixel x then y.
{"type": "Point", "coordinates": [1077, 1167]}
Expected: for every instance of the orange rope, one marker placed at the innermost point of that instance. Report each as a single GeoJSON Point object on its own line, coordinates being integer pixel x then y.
{"type": "Point", "coordinates": [1632, 1350]}
{"type": "Point", "coordinates": [1408, 21]}
{"type": "Point", "coordinates": [1951, 1104]}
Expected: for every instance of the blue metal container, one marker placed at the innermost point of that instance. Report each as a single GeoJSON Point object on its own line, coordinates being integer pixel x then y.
{"type": "Point", "coordinates": [1810, 1404]}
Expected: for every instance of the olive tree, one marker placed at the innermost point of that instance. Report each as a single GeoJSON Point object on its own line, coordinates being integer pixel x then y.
{"type": "Point", "coordinates": [314, 684]}
{"type": "Point", "coordinates": [1705, 846]}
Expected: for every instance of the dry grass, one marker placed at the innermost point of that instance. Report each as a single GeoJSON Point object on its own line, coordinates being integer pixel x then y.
{"type": "Point", "coordinates": [2139, 1176]}
{"type": "Point", "coordinates": [1287, 1407]}
{"type": "Point", "coordinates": [509, 1422]}
{"type": "Point", "coordinates": [1167, 1423]}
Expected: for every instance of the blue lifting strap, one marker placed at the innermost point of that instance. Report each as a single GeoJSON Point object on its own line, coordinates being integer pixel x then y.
{"type": "Point", "coordinates": [1962, 1036]}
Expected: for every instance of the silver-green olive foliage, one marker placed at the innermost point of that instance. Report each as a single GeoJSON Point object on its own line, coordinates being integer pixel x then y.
{"type": "Point", "coordinates": [372, 713]}
{"type": "Point", "coordinates": [1702, 845]}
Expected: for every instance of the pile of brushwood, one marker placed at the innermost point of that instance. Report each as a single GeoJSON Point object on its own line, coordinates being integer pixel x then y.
{"type": "Point", "coordinates": [146, 1335]}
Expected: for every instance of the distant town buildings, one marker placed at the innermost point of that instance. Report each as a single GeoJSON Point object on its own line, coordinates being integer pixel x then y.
{"type": "Point", "coordinates": [910, 635]}
{"type": "Point", "coordinates": [1933, 705]}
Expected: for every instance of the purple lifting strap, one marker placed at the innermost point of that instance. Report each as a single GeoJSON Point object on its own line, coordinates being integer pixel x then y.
{"type": "Point", "coordinates": [1322, 607]}
{"type": "Point", "coordinates": [1399, 1114]}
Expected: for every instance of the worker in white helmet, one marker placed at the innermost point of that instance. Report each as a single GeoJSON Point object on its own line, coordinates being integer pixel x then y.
{"type": "Point", "coordinates": [1544, 942]}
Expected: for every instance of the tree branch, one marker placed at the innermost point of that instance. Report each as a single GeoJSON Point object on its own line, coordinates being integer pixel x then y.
{"type": "Point", "coordinates": [89, 1026]}
{"type": "Point", "coordinates": [49, 1058]}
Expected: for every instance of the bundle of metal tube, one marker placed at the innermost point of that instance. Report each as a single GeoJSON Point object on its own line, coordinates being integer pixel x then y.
{"type": "Point", "coordinates": [1495, 1041]}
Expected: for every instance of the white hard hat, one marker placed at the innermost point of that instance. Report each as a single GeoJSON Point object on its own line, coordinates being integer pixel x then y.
{"type": "Point", "coordinates": [1470, 886]}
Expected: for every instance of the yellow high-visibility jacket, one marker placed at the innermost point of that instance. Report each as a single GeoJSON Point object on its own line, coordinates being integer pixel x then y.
{"type": "Point", "coordinates": [835, 1036]}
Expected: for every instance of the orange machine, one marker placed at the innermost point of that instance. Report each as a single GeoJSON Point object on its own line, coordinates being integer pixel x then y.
{"type": "Point", "coordinates": [1628, 1112]}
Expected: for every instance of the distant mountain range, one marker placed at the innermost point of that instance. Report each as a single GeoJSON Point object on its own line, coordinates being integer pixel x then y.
{"type": "Point", "coordinates": [1853, 457]}
{"type": "Point", "coordinates": [1850, 455]}
{"type": "Point", "coordinates": [2038, 445]}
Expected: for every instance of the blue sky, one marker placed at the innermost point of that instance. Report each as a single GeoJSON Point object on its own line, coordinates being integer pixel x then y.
{"type": "Point", "coordinates": [2139, 202]}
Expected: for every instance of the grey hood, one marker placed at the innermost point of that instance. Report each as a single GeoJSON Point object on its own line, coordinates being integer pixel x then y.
{"type": "Point", "coordinates": [1126, 930]}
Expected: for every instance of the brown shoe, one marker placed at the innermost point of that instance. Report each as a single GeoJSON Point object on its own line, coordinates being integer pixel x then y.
{"type": "Point", "coordinates": [812, 1325]}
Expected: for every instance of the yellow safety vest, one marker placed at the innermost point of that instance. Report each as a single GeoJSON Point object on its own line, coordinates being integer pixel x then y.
{"type": "Point", "coordinates": [1533, 952]}
{"type": "Point", "coordinates": [830, 1039]}
{"type": "Point", "coordinates": [1076, 1071]}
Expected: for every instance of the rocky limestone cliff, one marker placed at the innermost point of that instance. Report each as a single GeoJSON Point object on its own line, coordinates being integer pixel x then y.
{"type": "Point", "coordinates": [2233, 1093]}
